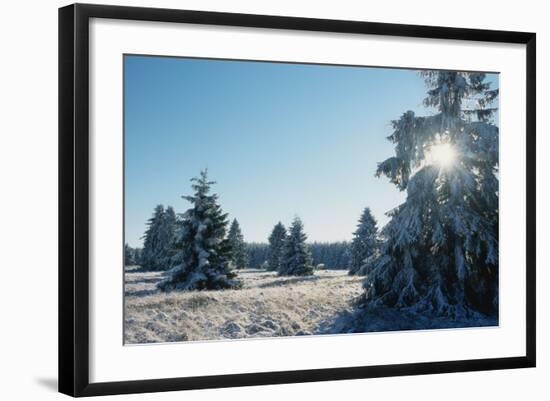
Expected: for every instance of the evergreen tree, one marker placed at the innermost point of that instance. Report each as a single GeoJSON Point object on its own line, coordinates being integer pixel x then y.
{"type": "Point", "coordinates": [440, 250]}
{"type": "Point", "coordinates": [158, 239]}
{"type": "Point", "coordinates": [137, 255]}
{"type": "Point", "coordinates": [239, 256]}
{"type": "Point", "coordinates": [296, 258]}
{"type": "Point", "coordinates": [129, 256]}
{"type": "Point", "coordinates": [364, 243]}
{"type": "Point", "coordinates": [167, 232]}
{"type": "Point", "coordinates": [202, 253]}
{"type": "Point", "coordinates": [154, 244]}
{"type": "Point", "coordinates": [276, 246]}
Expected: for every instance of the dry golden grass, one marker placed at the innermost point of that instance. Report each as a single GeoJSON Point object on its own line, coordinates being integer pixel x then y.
{"type": "Point", "coordinates": [266, 306]}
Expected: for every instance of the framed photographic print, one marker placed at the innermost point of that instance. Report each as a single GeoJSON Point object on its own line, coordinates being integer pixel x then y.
{"type": "Point", "coordinates": [249, 199]}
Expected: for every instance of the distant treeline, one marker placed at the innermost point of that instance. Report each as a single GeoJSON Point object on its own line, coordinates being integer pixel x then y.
{"type": "Point", "coordinates": [257, 255]}
{"type": "Point", "coordinates": [333, 255]}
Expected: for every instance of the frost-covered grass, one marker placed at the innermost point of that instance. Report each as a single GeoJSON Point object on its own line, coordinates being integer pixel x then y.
{"type": "Point", "coordinates": [266, 306]}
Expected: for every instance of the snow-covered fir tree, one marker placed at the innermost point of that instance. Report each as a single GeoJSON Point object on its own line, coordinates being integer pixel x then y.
{"type": "Point", "coordinates": [296, 258]}
{"type": "Point", "coordinates": [239, 256]}
{"type": "Point", "coordinates": [137, 255]}
{"type": "Point", "coordinates": [167, 232]}
{"type": "Point", "coordinates": [440, 250]}
{"type": "Point", "coordinates": [129, 255]}
{"type": "Point", "coordinates": [202, 251]}
{"type": "Point", "coordinates": [364, 244]}
{"type": "Point", "coordinates": [276, 245]}
{"type": "Point", "coordinates": [157, 242]}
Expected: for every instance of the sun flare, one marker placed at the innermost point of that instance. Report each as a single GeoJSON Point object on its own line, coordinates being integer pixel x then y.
{"type": "Point", "coordinates": [442, 154]}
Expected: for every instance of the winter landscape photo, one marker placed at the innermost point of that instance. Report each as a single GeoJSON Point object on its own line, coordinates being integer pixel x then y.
{"type": "Point", "coordinates": [272, 199]}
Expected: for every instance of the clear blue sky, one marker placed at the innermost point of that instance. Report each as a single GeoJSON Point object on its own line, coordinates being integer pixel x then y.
{"type": "Point", "coordinates": [281, 140]}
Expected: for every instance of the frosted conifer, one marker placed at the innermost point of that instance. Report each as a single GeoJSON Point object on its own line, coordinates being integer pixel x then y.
{"type": "Point", "coordinates": [167, 236]}
{"type": "Point", "coordinates": [154, 243]}
{"type": "Point", "coordinates": [202, 252]}
{"type": "Point", "coordinates": [440, 250]}
{"type": "Point", "coordinates": [365, 242]}
{"type": "Point", "coordinates": [276, 246]}
{"type": "Point", "coordinates": [129, 256]}
{"type": "Point", "coordinates": [296, 258]}
{"type": "Point", "coordinates": [239, 255]}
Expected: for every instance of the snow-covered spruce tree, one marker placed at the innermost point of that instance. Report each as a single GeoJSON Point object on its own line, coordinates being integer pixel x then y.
{"type": "Point", "coordinates": [365, 242]}
{"type": "Point", "coordinates": [129, 255]}
{"type": "Point", "coordinates": [239, 255]}
{"type": "Point", "coordinates": [154, 244]}
{"type": "Point", "coordinates": [202, 251]}
{"type": "Point", "coordinates": [167, 232]}
{"type": "Point", "coordinates": [296, 258]}
{"type": "Point", "coordinates": [137, 255]}
{"type": "Point", "coordinates": [440, 250]}
{"type": "Point", "coordinates": [276, 245]}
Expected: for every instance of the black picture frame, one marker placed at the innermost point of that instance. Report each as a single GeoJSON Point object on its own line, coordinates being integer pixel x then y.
{"type": "Point", "coordinates": [74, 199]}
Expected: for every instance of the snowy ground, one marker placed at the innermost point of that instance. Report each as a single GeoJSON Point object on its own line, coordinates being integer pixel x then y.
{"type": "Point", "coordinates": [266, 306]}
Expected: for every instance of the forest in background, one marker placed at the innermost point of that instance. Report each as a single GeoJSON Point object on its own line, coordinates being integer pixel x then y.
{"type": "Point", "coordinates": [329, 255]}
